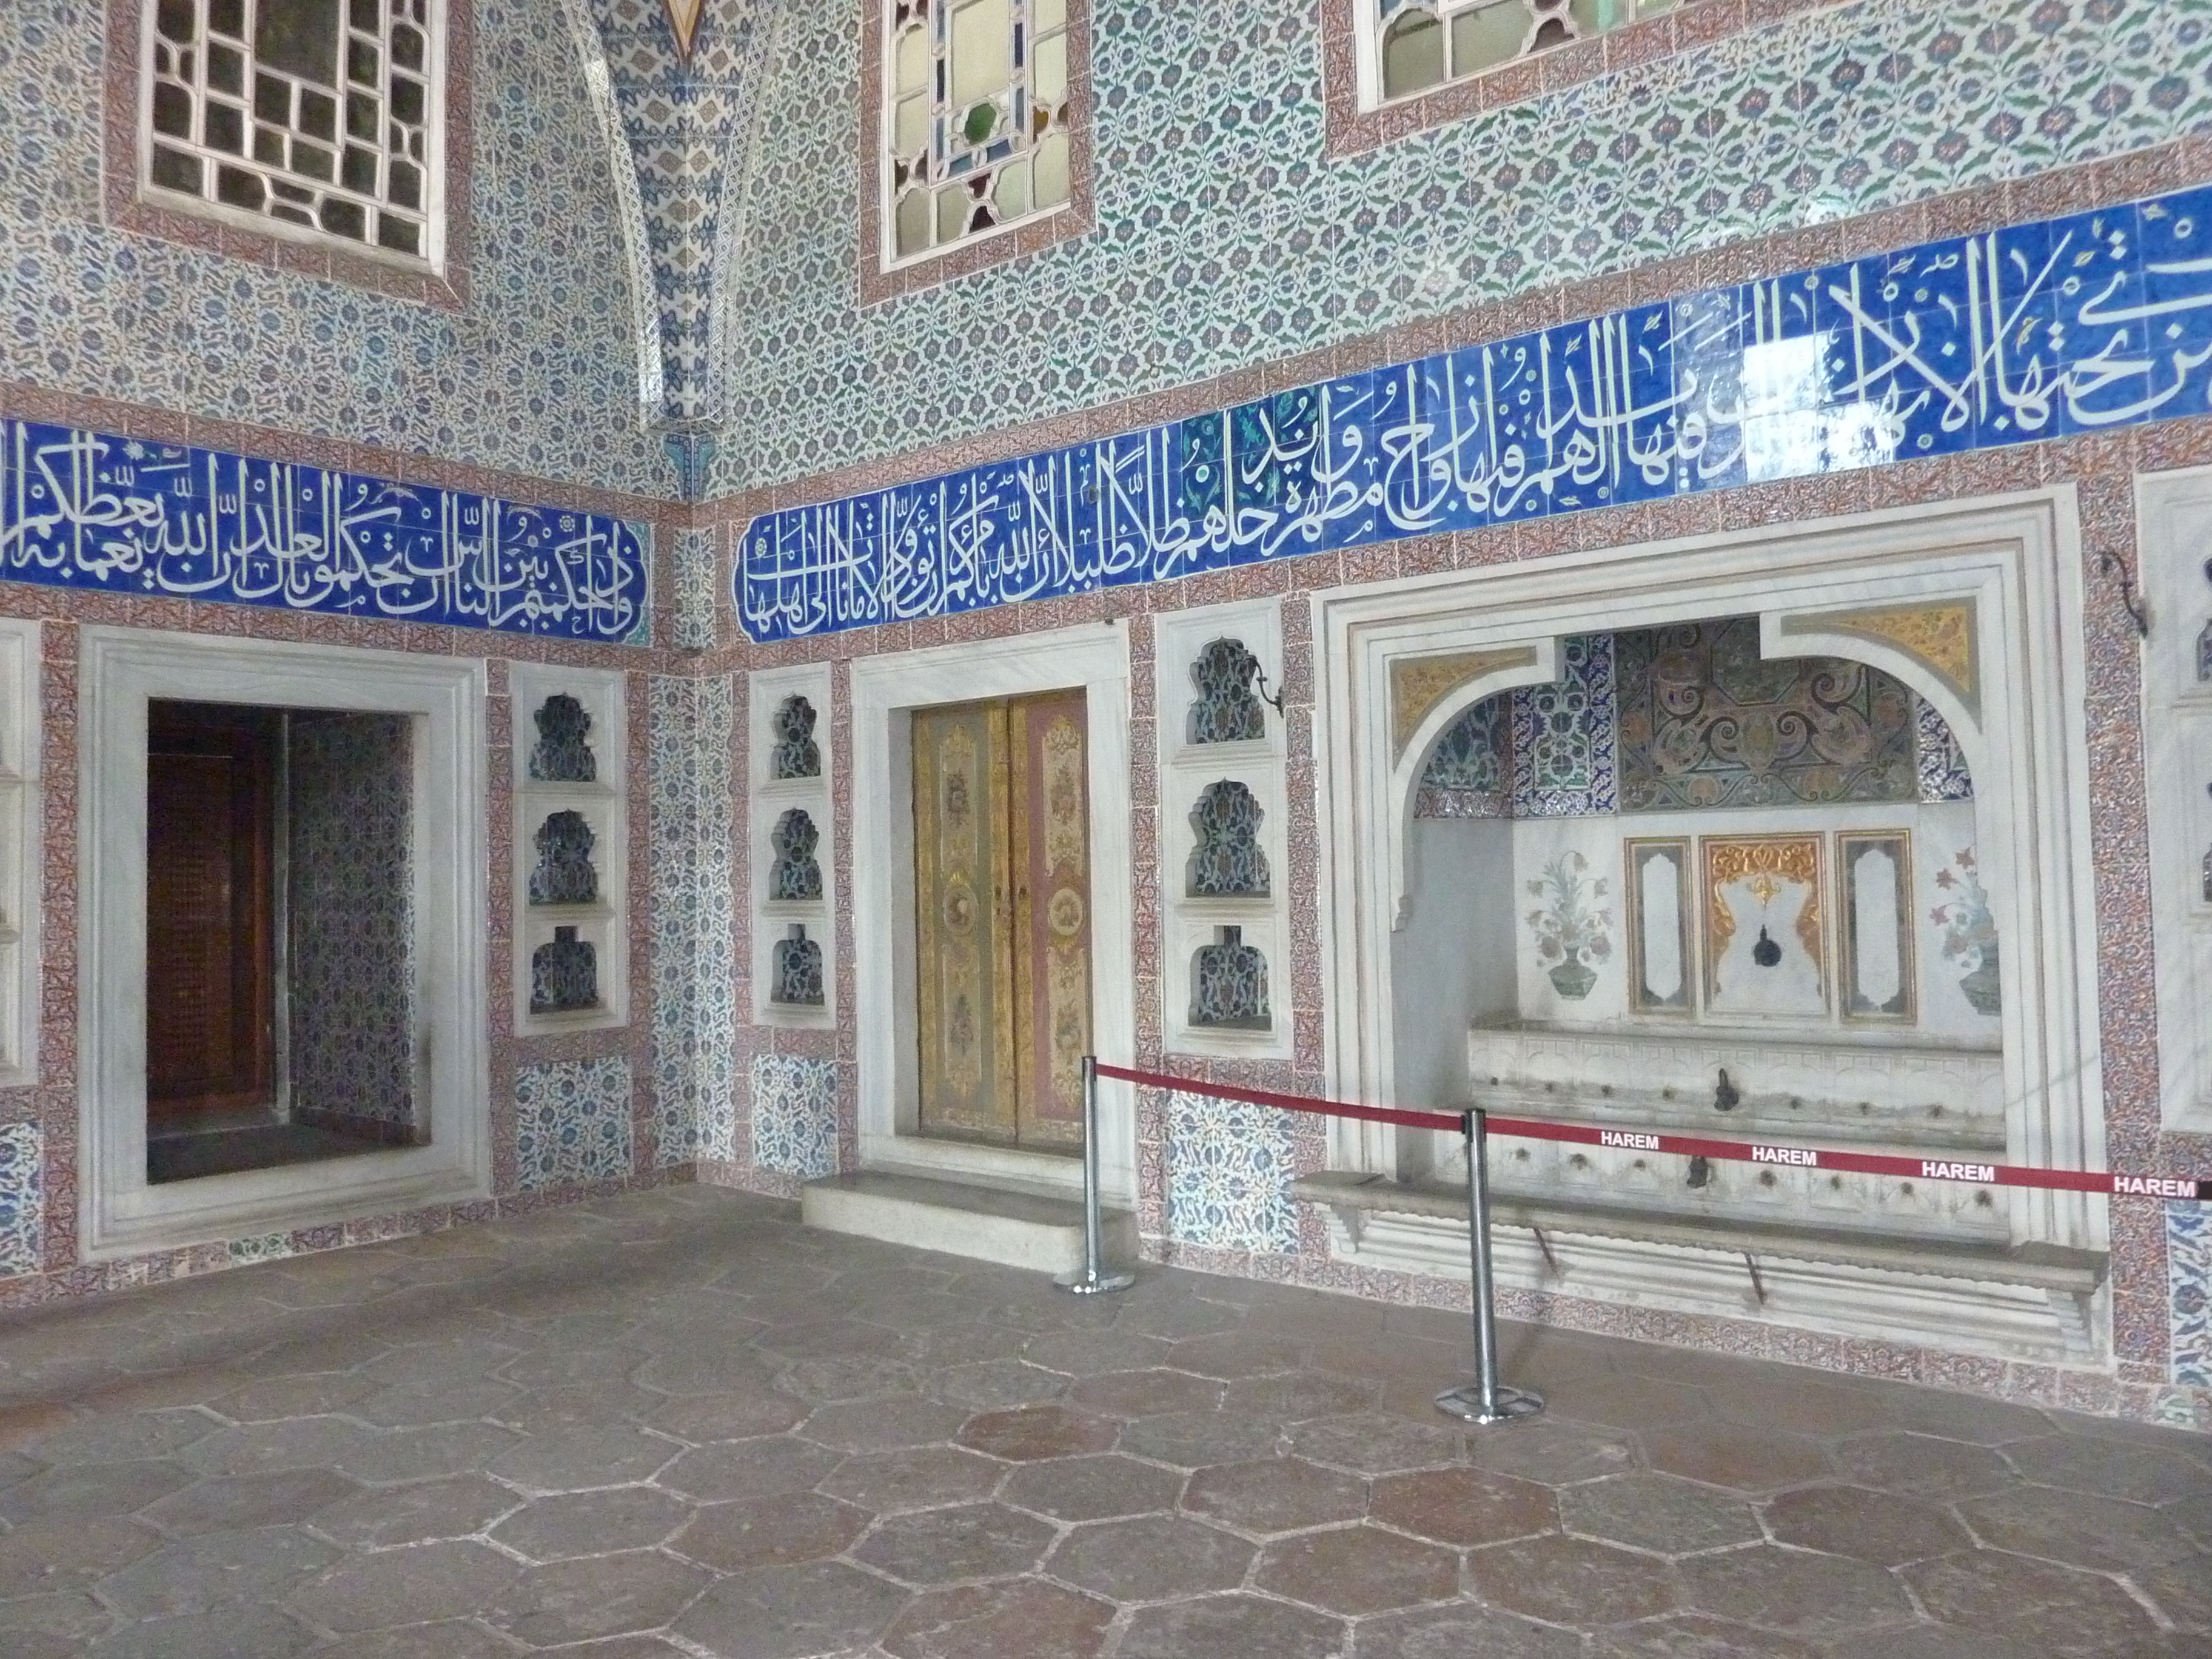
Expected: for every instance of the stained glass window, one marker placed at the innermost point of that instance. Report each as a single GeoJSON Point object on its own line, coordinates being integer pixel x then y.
{"type": "Point", "coordinates": [976, 118]}
{"type": "Point", "coordinates": [1425, 43]}
{"type": "Point", "coordinates": [309, 115]}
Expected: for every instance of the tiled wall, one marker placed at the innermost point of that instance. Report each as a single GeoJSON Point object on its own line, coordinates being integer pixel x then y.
{"type": "Point", "coordinates": [2189, 1281]}
{"type": "Point", "coordinates": [795, 1115]}
{"type": "Point", "coordinates": [693, 1013]}
{"type": "Point", "coordinates": [573, 1124]}
{"type": "Point", "coordinates": [351, 917]}
{"type": "Point", "coordinates": [536, 375]}
{"type": "Point", "coordinates": [1214, 197]}
{"type": "Point", "coordinates": [23, 1199]}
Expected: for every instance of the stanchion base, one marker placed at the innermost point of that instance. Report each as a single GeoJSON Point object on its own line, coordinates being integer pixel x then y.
{"type": "Point", "coordinates": [1465, 1403]}
{"type": "Point", "coordinates": [1085, 1284]}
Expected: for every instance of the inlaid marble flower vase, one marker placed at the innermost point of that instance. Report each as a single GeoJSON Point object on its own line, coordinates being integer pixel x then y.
{"type": "Point", "coordinates": [1571, 932]}
{"type": "Point", "coordinates": [1573, 979]}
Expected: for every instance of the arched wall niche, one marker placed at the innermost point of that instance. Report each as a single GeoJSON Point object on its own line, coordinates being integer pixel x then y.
{"type": "Point", "coordinates": [2009, 567]}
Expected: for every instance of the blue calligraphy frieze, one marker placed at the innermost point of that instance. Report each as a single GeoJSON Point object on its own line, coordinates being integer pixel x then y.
{"type": "Point", "coordinates": [2073, 325]}
{"type": "Point", "coordinates": [123, 515]}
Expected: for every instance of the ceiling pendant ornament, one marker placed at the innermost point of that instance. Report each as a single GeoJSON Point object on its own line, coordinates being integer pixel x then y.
{"type": "Point", "coordinates": [683, 21]}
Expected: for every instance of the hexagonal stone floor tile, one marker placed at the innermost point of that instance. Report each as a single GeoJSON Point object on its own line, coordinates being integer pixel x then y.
{"type": "Point", "coordinates": [1028, 1433]}
{"type": "Point", "coordinates": [1462, 1506]}
{"type": "Point", "coordinates": [770, 1532]}
{"type": "Point", "coordinates": [1233, 1626]}
{"type": "Point", "coordinates": [947, 1546]}
{"type": "Point", "coordinates": [1275, 1494]}
{"type": "Point", "coordinates": [1016, 1619]}
{"type": "Point", "coordinates": [1662, 1513]}
{"type": "Point", "coordinates": [1150, 1559]}
{"type": "Point", "coordinates": [1357, 1570]}
{"type": "Point", "coordinates": [1096, 1488]}
{"type": "Point", "coordinates": [1571, 1581]}
{"type": "Point", "coordinates": [790, 1613]}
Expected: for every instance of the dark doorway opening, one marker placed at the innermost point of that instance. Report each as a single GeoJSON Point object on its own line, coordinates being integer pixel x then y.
{"type": "Point", "coordinates": [278, 937]}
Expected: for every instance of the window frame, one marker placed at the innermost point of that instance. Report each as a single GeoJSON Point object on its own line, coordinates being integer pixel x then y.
{"type": "Point", "coordinates": [1358, 118]}
{"type": "Point", "coordinates": [884, 274]}
{"type": "Point", "coordinates": [133, 202]}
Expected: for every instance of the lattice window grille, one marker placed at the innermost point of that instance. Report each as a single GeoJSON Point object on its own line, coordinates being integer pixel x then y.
{"type": "Point", "coordinates": [976, 118]}
{"type": "Point", "coordinates": [308, 115]}
{"type": "Point", "coordinates": [1424, 43]}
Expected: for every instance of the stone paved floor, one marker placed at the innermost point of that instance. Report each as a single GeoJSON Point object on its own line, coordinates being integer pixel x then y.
{"type": "Point", "coordinates": [677, 1423]}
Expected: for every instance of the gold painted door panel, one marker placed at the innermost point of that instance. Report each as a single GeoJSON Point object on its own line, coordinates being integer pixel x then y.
{"type": "Point", "coordinates": [1051, 836]}
{"type": "Point", "coordinates": [1002, 899]}
{"type": "Point", "coordinates": [962, 921]}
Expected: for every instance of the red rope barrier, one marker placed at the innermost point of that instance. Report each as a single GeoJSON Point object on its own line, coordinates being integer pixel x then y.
{"type": "Point", "coordinates": [1967, 1170]}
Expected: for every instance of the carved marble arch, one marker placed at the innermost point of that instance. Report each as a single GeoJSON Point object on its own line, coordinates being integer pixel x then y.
{"type": "Point", "coordinates": [1933, 645]}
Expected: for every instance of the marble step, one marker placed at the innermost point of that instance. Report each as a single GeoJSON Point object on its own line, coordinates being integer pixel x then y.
{"type": "Point", "coordinates": [988, 1223]}
{"type": "Point", "coordinates": [2042, 1267]}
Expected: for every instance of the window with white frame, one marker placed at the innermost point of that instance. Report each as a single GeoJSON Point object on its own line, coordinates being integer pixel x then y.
{"type": "Point", "coordinates": [1223, 809]}
{"type": "Point", "coordinates": [789, 825]}
{"type": "Point", "coordinates": [312, 118]}
{"type": "Point", "coordinates": [1417, 45]}
{"type": "Point", "coordinates": [976, 119]}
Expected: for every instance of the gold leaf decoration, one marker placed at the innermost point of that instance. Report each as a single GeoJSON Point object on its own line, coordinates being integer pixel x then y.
{"type": "Point", "coordinates": [1940, 636]}
{"type": "Point", "coordinates": [683, 21]}
{"type": "Point", "coordinates": [1418, 685]}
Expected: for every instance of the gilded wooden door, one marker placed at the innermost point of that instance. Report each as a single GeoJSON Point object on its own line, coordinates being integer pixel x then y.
{"type": "Point", "coordinates": [1002, 899]}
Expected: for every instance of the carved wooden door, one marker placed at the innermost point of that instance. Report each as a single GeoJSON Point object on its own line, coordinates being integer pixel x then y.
{"type": "Point", "coordinates": [210, 962]}
{"type": "Point", "coordinates": [1002, 899]}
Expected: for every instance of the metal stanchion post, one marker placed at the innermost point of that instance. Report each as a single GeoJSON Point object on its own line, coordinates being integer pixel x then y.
{"type": "Point", "coordinates": [1485, 1399]}
{"type": "Point", "coordinates": [1093, 1279]}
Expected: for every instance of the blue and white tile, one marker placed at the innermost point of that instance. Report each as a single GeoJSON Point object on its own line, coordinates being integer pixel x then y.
{"type": "Point", "coordinates": [2189, 1284]}
{"type": "Point", "coordinates": [1229, 1168]}
{"type": "Point", "coordinates": [23, 1199]}
{"type": "Point", "coordinates": [1564, 735]}
{"type": "Point", "coordinates": [1940, 765]}
{"type": "Point", "coordinates": [573, 1123]}
{"type": "Point", "coordinates": [795, 1116]}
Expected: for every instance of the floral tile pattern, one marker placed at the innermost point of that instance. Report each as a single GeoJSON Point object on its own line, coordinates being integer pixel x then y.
{"type": "Point", "coordinates": [352, 859]}
{"type": "Point", "coordinates": [1942, 768]}
{"type": "Point", "coordinates": [537, 374]}
{"type": "Point", "coordinates": [1841, 110]}
{"type": "Point", "coordinates": [573, 1123]}
{"type": "Point", "coordinates": [685, 121]}
{"type": "Point", "coordinates": [795, 1114]}
{"type": "Point", "coordinates": [1563, 736]}
{"type": "Point", "coordinates": [698, 581]}
{"type": "Point", "coordinates": [693, 1035]}
{"type": "Point", "coordinates": [1229, 1168]}
{"type": "Point", "coordinates": [22, 1199]}
{"type": "Point", "coordinates": [2189, 1281]}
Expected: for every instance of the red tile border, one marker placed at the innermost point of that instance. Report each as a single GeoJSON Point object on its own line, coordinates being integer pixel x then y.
{"type": "Point", "coordinates": [325, 258]}
{"type": "Point", "coordinates": [1079, 217]}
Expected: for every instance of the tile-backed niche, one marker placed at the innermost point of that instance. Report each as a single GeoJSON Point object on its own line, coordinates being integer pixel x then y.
{"type": "Point", "coordinates": [788, 762]}
{"type": "Point", "coordinates": [19, 850]}
{"type": "Point", "coordinates": [571, 951]}
{"type": "Point", "coordinates": [2175, 514]}
{"type": "Point", "coordinates": [1221, 756]}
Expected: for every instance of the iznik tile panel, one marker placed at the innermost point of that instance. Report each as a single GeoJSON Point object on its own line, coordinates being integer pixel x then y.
{"type": "Point", "coordinates": [22, 1199]}
{"type": "Point", "coordinates": [2188, 1277]}
{"type": "Point", "coordinates": [122, 515]}
{"type": "Point", "coordinates": [795, 1114]}
{"type": "Point", "coordinates": [2079, 324]}
{"type": "Point", "coordinates": [1230, 1168]}
{"type": "Point", "coordinates": [572, 1123]}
